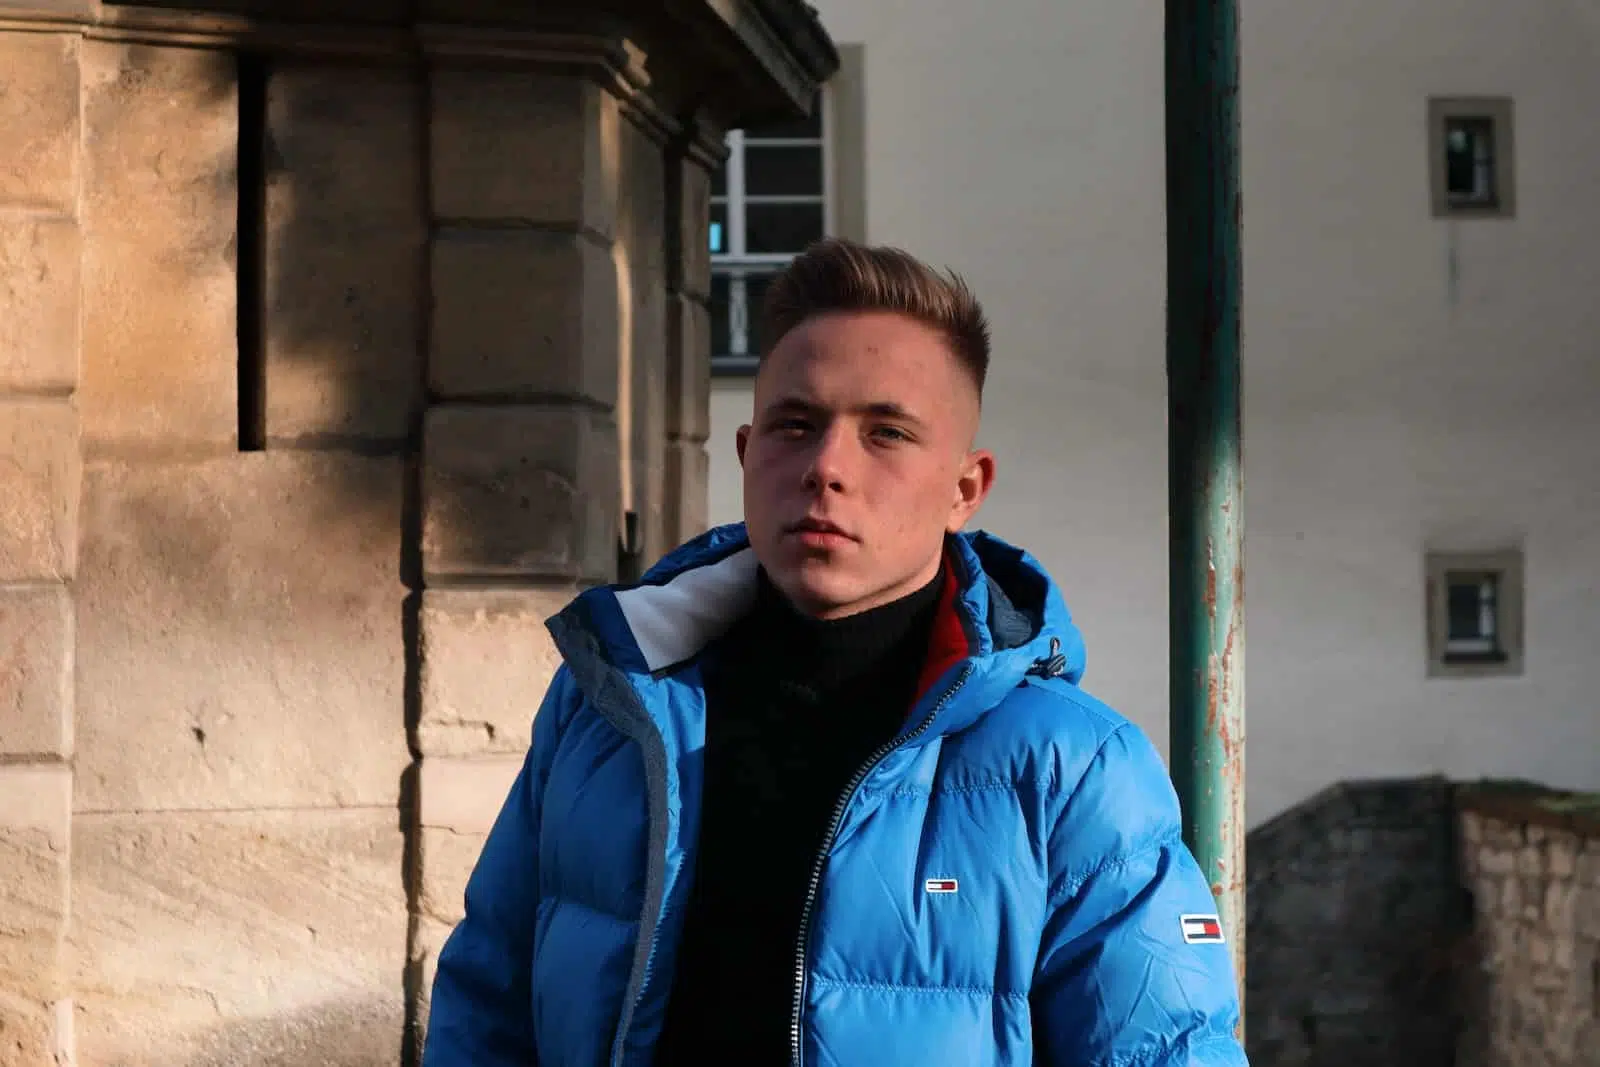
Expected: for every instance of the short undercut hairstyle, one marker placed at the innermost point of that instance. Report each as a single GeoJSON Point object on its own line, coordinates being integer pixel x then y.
{"type": "Point", "coordinates": [840, 275]}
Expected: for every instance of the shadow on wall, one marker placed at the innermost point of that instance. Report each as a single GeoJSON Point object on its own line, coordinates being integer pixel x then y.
{"type": "Point", "coordinates": [333, 1034]}
{"type": "Point", "coordinates": [246, 597]}
{"type": "Point", "coordinates": [258, 301]}
{"type": "Point", "coordinates": [1359, 929]}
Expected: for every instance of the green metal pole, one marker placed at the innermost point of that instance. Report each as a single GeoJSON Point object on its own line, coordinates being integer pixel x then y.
{"type": "Point", "coordinates": [1205, 473]}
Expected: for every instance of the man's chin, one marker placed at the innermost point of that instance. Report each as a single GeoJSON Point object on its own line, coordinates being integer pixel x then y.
{"type": "Point", "coordinates": [817, 588]}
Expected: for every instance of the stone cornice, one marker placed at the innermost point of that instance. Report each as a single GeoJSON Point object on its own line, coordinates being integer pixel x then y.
{"type": "Point", "coordinates": [783, 35]}
{"type": "Point", "coordinates": [609, 60]}
{"type": "Point", "coordinates": [750, 58]}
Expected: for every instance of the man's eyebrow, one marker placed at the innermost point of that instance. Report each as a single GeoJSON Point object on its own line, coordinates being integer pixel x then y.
{"type": "Point", "coordinates": [887, 409]}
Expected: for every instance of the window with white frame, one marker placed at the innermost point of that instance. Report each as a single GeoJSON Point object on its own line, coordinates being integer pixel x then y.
{"type": "Point", "coordinates": [768, 202]}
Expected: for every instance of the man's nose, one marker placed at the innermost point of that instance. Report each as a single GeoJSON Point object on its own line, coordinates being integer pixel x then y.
{"type": "Point", "coordinates": [832, 460]}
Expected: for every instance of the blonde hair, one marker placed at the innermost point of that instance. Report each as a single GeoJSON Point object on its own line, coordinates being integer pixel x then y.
{"type": "Point", "coordinates": [839, 275]}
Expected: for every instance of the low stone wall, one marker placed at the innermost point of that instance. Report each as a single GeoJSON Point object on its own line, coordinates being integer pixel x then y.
{"type": "Point", "coordinates": [1532, 861]}
{"type": "Point", "coordinates": [1355, 919]}
{"type": "Point", "coordinates": [1424, 923]}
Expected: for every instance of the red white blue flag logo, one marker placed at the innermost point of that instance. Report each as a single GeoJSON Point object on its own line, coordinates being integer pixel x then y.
{"type": "Point", "coordinates": [1202, 930]}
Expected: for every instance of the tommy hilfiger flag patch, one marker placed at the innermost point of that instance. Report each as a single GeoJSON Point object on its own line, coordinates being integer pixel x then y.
{"type": "Point", "coordinates": [1202, 930]}
{"type": "Point", "coordinates": [940, 885]}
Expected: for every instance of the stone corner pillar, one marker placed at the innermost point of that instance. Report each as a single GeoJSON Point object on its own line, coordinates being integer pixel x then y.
{"type": "Point", "coordinates": [40, 474]}
{"type": "Point", "coordinates": [568, 363]}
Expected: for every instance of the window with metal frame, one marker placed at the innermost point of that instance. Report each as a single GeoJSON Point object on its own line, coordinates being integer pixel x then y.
{"type": "Point", "coordinates": [770, 200]}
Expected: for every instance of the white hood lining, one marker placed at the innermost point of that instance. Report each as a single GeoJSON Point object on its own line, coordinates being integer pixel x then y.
{"type": "Point", "coordinates": [674, 621]}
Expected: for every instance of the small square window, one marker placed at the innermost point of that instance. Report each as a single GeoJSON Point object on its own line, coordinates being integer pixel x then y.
{"type": "Point", "coordinates": [1474, 614]}
{"type": "Point", "coordinates": [1470, 165]}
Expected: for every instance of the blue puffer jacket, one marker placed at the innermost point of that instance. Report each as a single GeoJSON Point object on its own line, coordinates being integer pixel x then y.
{"type": "Point", "coordinates": [1004, 884]}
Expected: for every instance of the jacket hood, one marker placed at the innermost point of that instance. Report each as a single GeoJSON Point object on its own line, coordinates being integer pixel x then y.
{"type": "Point", "coordinates": [1012, 614]}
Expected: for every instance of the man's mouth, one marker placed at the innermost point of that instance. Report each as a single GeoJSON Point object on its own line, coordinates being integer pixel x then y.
{"type": "Point", "coordinates": [820, 529]}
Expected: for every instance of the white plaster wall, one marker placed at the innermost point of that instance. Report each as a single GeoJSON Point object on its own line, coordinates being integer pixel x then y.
{"type": "Point", "coordinates": [1409, 382]}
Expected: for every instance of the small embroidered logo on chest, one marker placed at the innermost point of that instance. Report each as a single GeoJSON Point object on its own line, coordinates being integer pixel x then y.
{"type": "Point", "coordinates": [940, 885]}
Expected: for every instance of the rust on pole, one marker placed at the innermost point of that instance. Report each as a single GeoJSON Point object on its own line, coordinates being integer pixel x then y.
{"type": "Point", "coordinates": [1204, 459]}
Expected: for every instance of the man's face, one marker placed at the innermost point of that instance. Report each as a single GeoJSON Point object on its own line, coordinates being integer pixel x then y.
{"type": "Point", "coordinates": [859, 460]}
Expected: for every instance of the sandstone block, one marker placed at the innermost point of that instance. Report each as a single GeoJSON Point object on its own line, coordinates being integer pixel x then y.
{"type": "Point", "coordinates": [447, 862]}
{"type": "Point", "coordinates": [39, 288]}
{"type": "Point", "coordinates": [523, 313]}
{"type": "Point", "coordinates": [35, 832]}
{"type": "Point", "coordinates": [1587, 864]}
{"type": "Point", "coordinates": [239, 634]}
{"type": "Point", "coordinates": [693, 272]}
{"type": "Point", "coordinates": [688, 368]}
{"type": "Point", "coordinates": [535, 148]}
{"type": "Point", "coordinates": [1486, 895]}
{"type": "Point", "coordinates": [28, 1031]}
{"type": "Point", "coordinates": [688, 494]}
{"type": "Point", "coordinates": [40, 473]}
{"type": "Point", "coordinates": [240, 938]}
{"type": "Point", "coordinates": [1493, 860]}
{"type": "Point", "coordinates": [1587, 916]}
{"type": "Point", "coordinates": [487, 660]}
{"type": "Point", "coordinates": [529, 491]}
{"type": "Point", "coordinates": [159, 331]}
{"type": "Point", "coordinates": [36, 671]}
{"type": "Point", "coordinates": [346, 237]}
{"type": "Point", "coordinates": [464, 796]}
{"type": "Point", "coordinates": [39, 121]}
{"type": "Point", "coordinates": [428, 937]}
{"type": "Point", "coordinates": [642, 205]}
{"type": "Point", "coordinates": [644, 418]}
{"type": "Point", "coordinates": [1562, 856]}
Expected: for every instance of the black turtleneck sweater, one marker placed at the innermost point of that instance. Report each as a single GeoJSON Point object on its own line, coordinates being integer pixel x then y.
{"type": "Point", "coordinates": [794, 707]}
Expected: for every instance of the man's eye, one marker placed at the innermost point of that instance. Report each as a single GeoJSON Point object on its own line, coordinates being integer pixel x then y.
{"type": "Point", "coordinates": [890, 433]}
{"type": "Point", "coordinates": [792, 427]}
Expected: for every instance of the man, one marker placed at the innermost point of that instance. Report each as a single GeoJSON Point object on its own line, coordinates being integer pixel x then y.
{"type": "Point", "coordinates": [823, 788]}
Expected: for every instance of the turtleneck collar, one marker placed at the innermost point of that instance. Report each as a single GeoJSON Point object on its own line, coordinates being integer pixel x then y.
{"type": "Point", "coordinates": [830, 652]}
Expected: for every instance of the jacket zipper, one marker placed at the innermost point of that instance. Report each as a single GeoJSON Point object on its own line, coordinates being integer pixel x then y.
{"type": "Point", "coordinates": [802, 948]}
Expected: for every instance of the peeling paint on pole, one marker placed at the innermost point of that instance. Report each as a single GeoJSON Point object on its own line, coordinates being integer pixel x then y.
{"type": "Point", "coordinates": [1204, 464]}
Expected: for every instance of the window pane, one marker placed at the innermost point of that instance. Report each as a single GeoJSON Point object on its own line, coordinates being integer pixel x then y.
{"type": "Point", "coordinates": [719, 181]}
{"type": "Point", "coordinates": [756, 286]}
{"type": "Point", "coordinates": [783, 171]}
{"type": "Point", "coordinates": [810, 126]}
{"type": "Point", "coordinates": [1471, 609]}
{"type": "Point", "coordinates": [719, 315]}
{"type": "Point", "coordinates": [781, 227]}
{"type": "Point", "coordinates": [719, 229]}
{"type": "Point", "coordinates": [1469, 154]}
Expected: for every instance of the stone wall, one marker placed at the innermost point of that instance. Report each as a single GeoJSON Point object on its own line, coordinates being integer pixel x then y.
{"type": "Point", "coordinates": [331, 362]}
{"type": "Point", "coordinates": [42, 224]}
{"type": "Point", "coordinates": [1532, 861]}
{"type": "Point", "coordinates": [1426, 924]}
{"type": "Point", "coordinates": [1355, 919]}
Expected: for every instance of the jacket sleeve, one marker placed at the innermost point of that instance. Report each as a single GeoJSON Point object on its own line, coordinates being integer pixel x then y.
{"type": "Point", "coordinates": [481, 1013]}
{"type": "Point", "coordinates": [1118, 981]}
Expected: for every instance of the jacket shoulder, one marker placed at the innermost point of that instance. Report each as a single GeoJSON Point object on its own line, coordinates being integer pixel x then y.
{"type": "Point", "coordinates": [1051, 717]}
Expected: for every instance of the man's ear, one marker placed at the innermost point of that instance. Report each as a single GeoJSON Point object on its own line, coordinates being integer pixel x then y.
{"type": "Point", "coordinates": [741, 441]}
{"type": "Point", "coordinates": [972, 488]}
